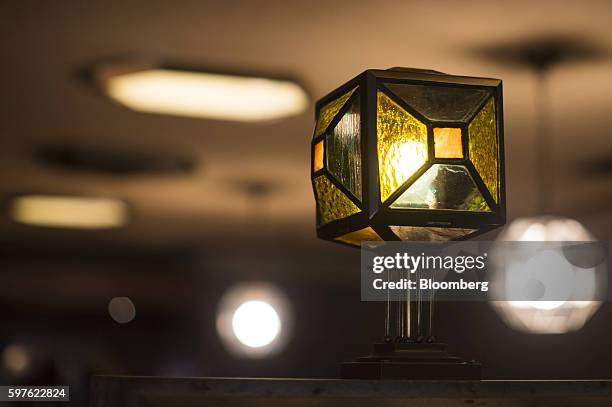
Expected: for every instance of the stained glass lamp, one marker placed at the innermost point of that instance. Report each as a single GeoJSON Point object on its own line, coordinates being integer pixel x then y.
{"type": "Point", "coordinates": [409, 154]}
{"type": "Point", "coordinates": [417, 155]}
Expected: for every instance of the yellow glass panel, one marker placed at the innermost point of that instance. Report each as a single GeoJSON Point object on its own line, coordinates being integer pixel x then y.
{"type": "Point", "coordinates": [329, 111]}
{"type": "Point", "coordinates": [358, 236]}
{"type": "Point", "coordinates": [447, 142]}
{"type": "Point", "coordinates": [319, 148]}
{"type": "Point", "coordinates": [333, 203]}
{"type": "Point", "coordinates": [425, 234]}
{"type": "Point", "coordinates": [482, 133]}
{"type": "Point", "coordinates": [401, 143]}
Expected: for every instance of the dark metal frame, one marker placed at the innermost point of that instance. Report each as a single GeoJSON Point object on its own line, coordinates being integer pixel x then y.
{"type": "Point", "coordinates": [377, 214]}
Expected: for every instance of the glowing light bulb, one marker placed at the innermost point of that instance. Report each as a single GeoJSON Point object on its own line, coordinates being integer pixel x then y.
{"type": "Point", "coordinates": [408, 159]}
{"type": "Point", "coordinates": [254, 319]}
{"type": "Point", "coordinates": [256, 323]}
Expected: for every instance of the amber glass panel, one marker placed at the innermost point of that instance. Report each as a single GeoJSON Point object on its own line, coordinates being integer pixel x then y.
{"type": "Point", "coordinates": [440, 102]}
{"type": "Point", "coordinates": [317, 160]}
{"type": "Point", "coordinates": [333, 204]}
{"type": "Point", "coordinates": [329, 111]}
{"type": "Point", "coordinates": [423, 233]}
{"type": "Point", "coordinates": [358, 236]}
{"type": "Point", "coordinates": [447, 142]}
{"type": "Point", "coordinates": [344, 150]}
{"type": "Point", "coordinates": [443, 187]}
{"type": "Point", "coordinates": [482, 134]}
{"type": "Point", "coordinates": [401, 143]}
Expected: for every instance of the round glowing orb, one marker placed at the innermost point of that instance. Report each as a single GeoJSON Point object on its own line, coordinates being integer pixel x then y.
{"type": "Point", "coordinates": [577, 276]}
{"type": "Point", "coordinates": [16, 358]}
{"type": "Point", "coordinates": [121, 309]}
{"type": "Point", "coordinates": [254, 319]}
{"type": "Point", "coordinates": [256, 323]}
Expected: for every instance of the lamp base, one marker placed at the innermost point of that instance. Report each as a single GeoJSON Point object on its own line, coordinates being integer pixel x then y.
{"type": "Point", "coordinates": [411, 360]}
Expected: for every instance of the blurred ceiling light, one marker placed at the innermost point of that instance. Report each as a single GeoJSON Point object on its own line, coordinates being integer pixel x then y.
{"type": "Point", "coordinates": [254, 320]}
{"type": "Point", "coordinates": [551, 317]}
{"type": "Point", "coordinates": [15, 358]}
{"type": "Point", "coordinates": [185, 92]}
{"type": "Point", "coordinates": [69, 211]}
{"type": "Point", "coordinates": [256, 323]}
{"type": "Point", "coordinates": [121, 309]}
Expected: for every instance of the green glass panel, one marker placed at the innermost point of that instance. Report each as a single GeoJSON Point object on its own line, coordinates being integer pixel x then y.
{"type": "Point", "coordinates": [329, 111]}
{"type": "Point", "coordinates": [344, 150]}
{"type": "Point", "coordinates": [440, 102]}
{"type": "Point", "coordinates": [483, 147]}
{"type": "Point", "coordinates": [363, 235]}
{"type": "Point", "coordinates": [443, 187]}
{"type": "Point", "coordinates": [333, 203]}
{"type": "Point", "coordinates": [401, 145]}
{"type": "Point", "coordinates": [423, 233]}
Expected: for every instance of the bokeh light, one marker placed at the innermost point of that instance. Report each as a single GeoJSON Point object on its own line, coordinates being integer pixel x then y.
{"type": "Point", "coordinates": [15, 358]}
{"type": "Point", "coordinates": [254, 320]}
{"type": "Point", "coordinates": [121, 309]}
{"type": "Point", "coordinates": [581, 288]}
{"type": "Point", "coordinates": [256, 323]}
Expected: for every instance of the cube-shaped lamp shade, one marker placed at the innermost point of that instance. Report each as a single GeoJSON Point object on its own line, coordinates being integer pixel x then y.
{"type": "Point", "coordinates": [406, 154]}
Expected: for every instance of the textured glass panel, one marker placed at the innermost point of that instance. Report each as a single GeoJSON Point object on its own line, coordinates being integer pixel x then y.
{"type": "Point", "coordinates": [482, 133]}
{"type": "Point", "coordinates": [344, 150]}
{"type": "Point", "coordinates": [333, 204]}
{"type": "Point", "coordinates": [317, 160]}
{"type": "Point", "coordinates": [423, 233]}
{"type": "Point", "coordinates": [401, 143]}
{"type": "Point", "coordinates": [443, 187]}
{"type": "Point", "coordinates": [358, 236]}
{"type": "Point", "coordinates": [329, 111]}
{"type": "Point", "coordinates": [440, 102]}
{"type": "Point", "coordinates": [447, 142]}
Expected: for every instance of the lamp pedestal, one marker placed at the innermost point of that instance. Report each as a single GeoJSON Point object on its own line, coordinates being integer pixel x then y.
{"type": "Point", "coordinates": [412, 360]}
{"type": "Point", "coordinates": [410, 351]}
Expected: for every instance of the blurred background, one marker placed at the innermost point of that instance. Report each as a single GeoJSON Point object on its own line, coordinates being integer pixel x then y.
{"type": "Point", "coordinates": [205, 210]}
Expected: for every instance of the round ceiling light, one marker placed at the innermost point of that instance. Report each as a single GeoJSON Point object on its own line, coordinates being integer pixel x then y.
{"type": "Point", "coordinates": [254, 320]}
{"type": "Point", "coordinates": [256, 323]}
{"type": "Point", "coordinates": [581, 282]}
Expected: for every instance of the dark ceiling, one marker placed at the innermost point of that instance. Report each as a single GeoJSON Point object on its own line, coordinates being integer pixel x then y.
{"type": "Point", "coordinates": [46, 106]}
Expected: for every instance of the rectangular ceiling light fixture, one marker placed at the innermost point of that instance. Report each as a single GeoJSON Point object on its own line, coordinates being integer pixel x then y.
{"type": "Point", "coordinates": [195, 93]}
{"type": "Point", "coordinates": [72, 212]}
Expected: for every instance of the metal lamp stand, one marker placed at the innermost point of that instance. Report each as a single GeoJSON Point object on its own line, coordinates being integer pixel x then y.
{"type": "Point", "coordinates": [410, 350]}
